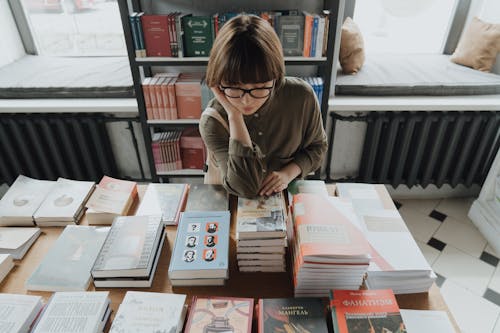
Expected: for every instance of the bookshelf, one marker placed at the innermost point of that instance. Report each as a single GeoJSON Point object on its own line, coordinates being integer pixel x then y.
{"type": "Point", "coordinates": [323, 67]}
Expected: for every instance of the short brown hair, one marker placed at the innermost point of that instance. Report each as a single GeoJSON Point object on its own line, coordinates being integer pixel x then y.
{"type": "Point", "coordinates": [246, 50]}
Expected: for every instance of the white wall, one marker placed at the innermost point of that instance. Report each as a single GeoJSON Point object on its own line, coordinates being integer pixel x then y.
{"type": "Point", "coordinates": [10, 42]}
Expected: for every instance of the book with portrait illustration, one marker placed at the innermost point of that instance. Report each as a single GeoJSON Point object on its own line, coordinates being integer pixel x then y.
{"type": "Point", "coordinates": [361, 311]}
{"type": "Point", "coordinates": [201, 246]}
{"type": "Point", "coordinates": [220, 314]}
{"type": "Point", "coordinates": [263, 217]}
{"type": "Point", "coordinates": [293, 315]}
{"type": "Point", "coordinates": [206, 197]}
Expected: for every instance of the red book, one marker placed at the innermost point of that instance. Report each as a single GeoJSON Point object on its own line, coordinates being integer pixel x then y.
{"type": "Point", "coordinates": [188, 96]}
{"type": "Point", "coordinates": [192, 149]}
{"type": "Point", "coordinates": [356, 311]}
{"type": "Point", "coordinates": [156, 35]}
{"type": "Point", "coordinates": [220, 314]}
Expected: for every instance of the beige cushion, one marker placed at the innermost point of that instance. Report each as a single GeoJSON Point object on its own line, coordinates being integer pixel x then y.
{"type": "Point", "coordinates": [352, 52]}
{"type": "Point", "coordinates": [478, 46]}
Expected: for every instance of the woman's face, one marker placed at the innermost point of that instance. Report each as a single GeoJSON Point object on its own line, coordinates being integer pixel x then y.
{"type": "Point", "coordinates": [247, 104]}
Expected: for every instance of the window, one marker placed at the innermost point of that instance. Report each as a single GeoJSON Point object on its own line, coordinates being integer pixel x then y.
{"type": "Point", "coordinates": [404, 26]}
{"type": "Point", "coordinates": [75, 27]}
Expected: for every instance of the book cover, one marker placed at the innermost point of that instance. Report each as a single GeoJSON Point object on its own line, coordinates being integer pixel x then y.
{"type": "Point", "coordinates": [188, 96]}
{"type": "Point", "coordinates": [145, 312]}
{"type": "Point", "coordinates": [156, 35]}
{"type": "Point", "coordinates": [361, 311]}
{"type": "Point", "coordinates": [165, 200]}
{"type": "Point", "coordinates": [22, 200]}
{"type": "Point", "coordinates": [192, 149]}
{"type": "Point", "coordinates": [206, 197]}
{"type": "Point", "coordinates": [261, 217]}
{"type": "Point", "coordinates": [417, 321]}
{"type": "Point", "coordinates": [67, 265]}
{"type": "Point", "coordinates": [65, 200]}
{"type": "Point", "coordinates": [220, 314]}
{"type": "Point", "coordinates": [17, 241]}
{"type": "Point", "coordinates": [6, 264]}
{"type": "Point", "coordinates": [299, 315]}
{"type": "Point", "coordinates": [201, 248]}
{"type": "Point", "coordinates": [290, 30]}
{"type": "Point", "coordinates": [308, 30]}
{"type": "Point", "coordinates": [17, 312]}
{"type": "Point", "coordinates": [308, 186]}
{"type": "Point", "coordinates": [198, 35]}
{"type": "Point", "coordinates": [112, 196]}
{"type": "Point", "coordinates": [82, 312]}
{"type": "Point", "coordinates": [130, 247]}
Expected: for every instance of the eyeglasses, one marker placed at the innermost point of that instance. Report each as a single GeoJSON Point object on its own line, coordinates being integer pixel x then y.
{"type": "Point", "coordinates": [233, 92]}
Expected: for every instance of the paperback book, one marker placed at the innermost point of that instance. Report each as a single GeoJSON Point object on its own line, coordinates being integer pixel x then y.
{"type": "Point", "coordinates": [6, 264]}
{"type": "Point", "coordinates": [17, 241]}
{"type": "Point", "coordinates": [205, 197]}
{"type": "Point", "coordinates": [18, 312]}
{"type": "Point", "coordinates": [165, 200]}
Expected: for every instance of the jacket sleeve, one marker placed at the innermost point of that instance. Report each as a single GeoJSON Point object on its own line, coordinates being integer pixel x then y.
{"type": "Point", "coordinates": [240, 166]}
{"type": "Point", "coordinates": [314, 145]}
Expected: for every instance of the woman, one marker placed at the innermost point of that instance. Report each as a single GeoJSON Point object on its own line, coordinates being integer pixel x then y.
{"type": "Point", "coordinates": [270, 130]}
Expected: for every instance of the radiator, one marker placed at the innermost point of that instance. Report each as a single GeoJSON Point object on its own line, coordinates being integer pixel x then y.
{"type": "Point", "coordinates": [48, 146]}
{"type": "Point", "coordinates": [422, 148]}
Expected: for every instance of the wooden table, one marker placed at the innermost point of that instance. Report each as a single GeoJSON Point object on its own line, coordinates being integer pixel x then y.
{"type": "Point", "coordinates": [256, 285]}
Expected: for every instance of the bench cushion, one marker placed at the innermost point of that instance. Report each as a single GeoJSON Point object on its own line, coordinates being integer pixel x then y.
{"type": "Point", "coordinates": [66, 77]}
{"type": "Point", "coordinates": [417, 74]}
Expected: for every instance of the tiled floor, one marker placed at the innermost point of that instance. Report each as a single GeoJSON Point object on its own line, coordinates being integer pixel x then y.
{"type": "Point", "coordinates": [468, 268]}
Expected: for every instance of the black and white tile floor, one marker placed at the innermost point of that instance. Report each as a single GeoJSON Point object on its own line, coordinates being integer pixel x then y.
{"type": "Point", "coordinates": [467, 267]}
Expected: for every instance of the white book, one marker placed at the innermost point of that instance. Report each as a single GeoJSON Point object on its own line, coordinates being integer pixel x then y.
{"type": "Point", "coordinates": [130, 247]}
{"type": "Point", "coordinates": [17, 241]}
{"type": "Point", "coordinates": [163, 200]}
{"type": "Point", "coordinates": [135, 316]}
{"type": "Point", "coordinates": [261, 249]}
{"type": "Point", "coordinates": [6, 264]}
{"type": "Point", "coordinates": [65, 201]}
{"type": "Point", "coordinates": [417, 321]}
{"type": "Point", "coordinates": [197, 282]}
{"type": "Point", "coordinates": [262, 269]}
{"type": "Point", "coordinates": [18, 312]}
{"type": "Point", "coordinates": [21, 201]}
{"type": "Point", "coordinates": [262, 242]}
{"type": "Point", "coordinates": [67, 265]}
{"type": "Point", "coordinates": [82, 312]}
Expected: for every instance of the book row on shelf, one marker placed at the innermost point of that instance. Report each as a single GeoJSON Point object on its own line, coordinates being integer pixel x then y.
{"type": "Point", "coordinates": [347, 311]}
{"type": "Point", "coordinates": [184, 35]}
{"type": "Point", "coordinates": [363, 240]}
{"type": "Point", "coordinates": [171, 96]}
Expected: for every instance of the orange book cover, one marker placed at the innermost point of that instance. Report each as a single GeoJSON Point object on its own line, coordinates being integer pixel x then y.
{"type": "Point", "coordinates": [152, 97]}
{"type": "Point", "coordinates": [147, 99]}
{"type": "Point", "coordinates": [324, 232]}
{"type": "Point", "coordinates": [188, 97]}
{"type": "Point", "coordinates": [166, 103]}
{"type": "Point", "coordinates": [361, 311]}
{"type": "Point", "coordinates": [308, 27]}
{"type": "Point", "coordinates": [171, 98]}
{"type": "Point", "coordinates": [159, 99]}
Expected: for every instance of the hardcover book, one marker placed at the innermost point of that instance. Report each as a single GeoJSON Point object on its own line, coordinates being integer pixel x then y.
{"type": "Point", "coordinates": [198, 35]}
{"type": "Point", "coordinates": [360, 311]}
{"type": "Point", "coordinates": [165, 200]}
{"type": "Point", "coordinates": [220, 314]}
{"type": "Point", "coordinates": [18, 312]}
{"type": "Point", "coordinates": [67, 265]}
{"type": "Point", "coordinates": [130, 247]}
{"type": "Point", "coordinates": [206, 197]}
{"type": "Point", "coordinates": [17, 241]}
{"type": "Point", "coordinates": [188, 95]}
{"type": "Point", "coordinates": [156, 36]}
{"type": "Point", "coordinates": [83, 312]}
{"type": "Point", "coordinates": [21, 201]}
{"type": "Point", "coordinates": [201, 246]}
{"type": "Point", "coordinates": [264, 217]}
{"type": "Point", "coordinates": [291, 315]}
{"type": "Point", "coordinates": [144, 312]}
{"type": "Point", "coordinates": [290, 30]}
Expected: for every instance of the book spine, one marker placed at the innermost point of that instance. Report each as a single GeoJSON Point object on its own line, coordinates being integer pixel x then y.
{"type": "Point", "coordinates": [320, 39]}
{"type": "Point", "coordinates": [314, 36]}
{"type": "Point", "coordinates": [308, 26]}
{"type": "Point", "coordinates": [140, 34]}
{"type": "Point", "coordinates": [135, 37]}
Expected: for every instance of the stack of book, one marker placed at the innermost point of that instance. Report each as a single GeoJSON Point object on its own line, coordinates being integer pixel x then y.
{"type": "Point", "coordinates": [167, 151]}
{"type": "Point", "coordinates": [292, 315]}
{"type": "Point", "coordinates": [130, 253]}
{"type": "Point", "coordinates": [67, 265]}
{"type": "Point", "coordinates": [111, 198]}
{"type": "Point", "coordinates": [19, 312]}
{"type": "Point", "coordinates": [261, 234]}
{"type": "Point", "coordinates": [220, 314]}
{"type": "Point", "coordinates": [164, 200]}
{"type": "Point", "coordinates": [6, 264]}
{"type": "Point", "coordinates": [22, 200]}
{"type": "Point", "coordinates": [203, 197]}
{"type": "Point", "coordinates": [328, 250]}
{"type": "Point", "coordinates": [150, 312]}
{"type": "Point", "coordinates": [64, 204]}
{"type": "Point", "coordinates": [17, 241]}
{"type": "Point", "coordinates": [201, 249]}
{"type": "Point", "coordinates": [366, 311]}
{"type": "Point", "coordinates": [397, 262]}
{"type": "Point", "coordinates": [86, 312]}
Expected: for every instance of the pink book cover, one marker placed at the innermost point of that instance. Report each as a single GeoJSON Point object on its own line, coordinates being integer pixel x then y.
{"type": "Point", "coordinates": [156, 35]}
{"type": "Point", "coordinates": [188, 97]}
{"type": "Point", "coordinates": [220, 314]}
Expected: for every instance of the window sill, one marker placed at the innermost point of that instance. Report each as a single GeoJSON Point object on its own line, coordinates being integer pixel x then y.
{"type": "Point", "coordinates": [72, 105]}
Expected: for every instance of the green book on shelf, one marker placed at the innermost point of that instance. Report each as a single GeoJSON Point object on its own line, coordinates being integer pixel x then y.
{"type": "Point", "coordinates": [198, 35]}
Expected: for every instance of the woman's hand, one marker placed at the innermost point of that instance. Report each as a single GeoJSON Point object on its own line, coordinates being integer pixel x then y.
{"type": "Point", "coordinates": [230, 109]}
{"type": "Point", "coordinates": [277, 181]}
